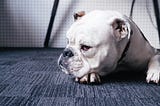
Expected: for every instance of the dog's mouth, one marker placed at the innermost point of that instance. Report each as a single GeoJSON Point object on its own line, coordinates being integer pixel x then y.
{"type": "Point", "coordinates": [70, 66]}
{"type": "Point", "coordinates": [63, 65]}
{"type": "Point", "coordinates": [67, 70]}
{"type": "Point", "coordinates": [64, 69]}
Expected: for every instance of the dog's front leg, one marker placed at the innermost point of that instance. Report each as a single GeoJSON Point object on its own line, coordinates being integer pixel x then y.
{"type": "Point", "coordinates": [153, 73]}
{"type": "Point", "coordinates": [91, 78]}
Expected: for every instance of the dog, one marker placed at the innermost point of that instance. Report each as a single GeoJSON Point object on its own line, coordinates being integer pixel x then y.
{"type": "Point", "coordinates": [102, 42]}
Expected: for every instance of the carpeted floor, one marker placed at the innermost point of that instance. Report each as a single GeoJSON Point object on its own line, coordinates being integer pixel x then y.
{"type": "Point", "coordinates": [30, 77]}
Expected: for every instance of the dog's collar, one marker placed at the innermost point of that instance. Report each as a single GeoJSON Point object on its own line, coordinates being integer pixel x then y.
{"type": "Point", "coordinates": [125, 49]}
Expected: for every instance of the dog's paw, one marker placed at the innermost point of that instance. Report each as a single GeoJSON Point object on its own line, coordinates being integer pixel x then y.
{"type": "Point", "coordinates": [91, 78]}
{"type": "Point", "coordinates": [153, 76]}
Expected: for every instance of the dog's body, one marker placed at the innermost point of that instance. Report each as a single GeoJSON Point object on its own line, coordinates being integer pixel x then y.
{"type": "Point", "coordinates": [102, 42]}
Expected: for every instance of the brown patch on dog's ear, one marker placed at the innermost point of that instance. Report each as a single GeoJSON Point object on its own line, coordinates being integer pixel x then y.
{"type": "Point", "coordinates": [78, 15]}
{"type": "Point", "coordinates": [120, 29]}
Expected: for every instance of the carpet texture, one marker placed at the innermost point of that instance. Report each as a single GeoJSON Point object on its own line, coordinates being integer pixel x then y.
{"type": "Point", "coordinates": [31, 77]}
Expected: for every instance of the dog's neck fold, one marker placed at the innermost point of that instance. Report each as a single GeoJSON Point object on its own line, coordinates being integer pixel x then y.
{"type": "Point", "coordinates": [124, 53]}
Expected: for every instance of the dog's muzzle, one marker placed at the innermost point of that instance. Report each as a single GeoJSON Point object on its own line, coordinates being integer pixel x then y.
{"type": "Point", "coordinates": [70, 62]}
{"type": "Point", "coordinates": [63, 60]}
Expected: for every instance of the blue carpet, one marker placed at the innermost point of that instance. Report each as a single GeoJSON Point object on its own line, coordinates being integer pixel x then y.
{"type": "Point", "coordinates": [31, 77]}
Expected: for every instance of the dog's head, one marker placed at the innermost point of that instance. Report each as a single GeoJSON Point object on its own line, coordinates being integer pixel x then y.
{"type": "Point", "coordinates": [93, 43]}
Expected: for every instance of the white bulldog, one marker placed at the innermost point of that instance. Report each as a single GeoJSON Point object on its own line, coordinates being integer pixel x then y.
{"type": "Point", "coordinates": [102, 42]}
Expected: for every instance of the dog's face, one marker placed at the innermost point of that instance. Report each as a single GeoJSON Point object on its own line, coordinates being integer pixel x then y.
{"type": "Point", "coordinates": [92, 43]}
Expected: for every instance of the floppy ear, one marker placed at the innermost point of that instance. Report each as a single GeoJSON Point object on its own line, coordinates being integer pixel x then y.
{"type": "Point", "coordinates": [78, 15]}
{"type": "Point", "coordinates": [120, 29]}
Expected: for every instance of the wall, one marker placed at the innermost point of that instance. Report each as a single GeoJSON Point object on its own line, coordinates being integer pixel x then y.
{"type": "Point", "coordinates": [23, 23]}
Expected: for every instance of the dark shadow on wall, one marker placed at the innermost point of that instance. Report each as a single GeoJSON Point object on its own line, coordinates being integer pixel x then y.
{"type": "Point", "coordinates": [67, 12]}
{"type": "Point", "coordinates": [15, 31]}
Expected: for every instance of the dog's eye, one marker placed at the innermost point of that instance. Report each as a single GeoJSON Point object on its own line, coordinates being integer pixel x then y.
{"type": "Point", "coordinates": [85, 47]}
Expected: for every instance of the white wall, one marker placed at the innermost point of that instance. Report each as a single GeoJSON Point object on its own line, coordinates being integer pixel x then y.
{"type": "Point", "coordinates": [23, 23]}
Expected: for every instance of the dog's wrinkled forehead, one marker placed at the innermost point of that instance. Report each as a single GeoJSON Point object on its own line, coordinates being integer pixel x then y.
{"type": "Point", "coordinates": [87, 32]}
{"type": "Point", "coordinates": [82, 34]}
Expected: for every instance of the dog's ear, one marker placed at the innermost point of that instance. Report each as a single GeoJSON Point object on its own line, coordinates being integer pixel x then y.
{"type": "Point", "coordinates": [78, 15]}
{"type": "Point", "coordinates": [120, 29]}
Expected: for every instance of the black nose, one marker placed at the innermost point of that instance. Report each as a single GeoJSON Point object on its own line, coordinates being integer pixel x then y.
{"type": "Point", "coordinates": [67, 53]}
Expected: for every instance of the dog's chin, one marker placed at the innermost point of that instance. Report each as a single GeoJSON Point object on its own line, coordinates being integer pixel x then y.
{"type": "Point", "coordinates": [80, 73]}
{"type": "Point", "coordinates": [75, 73]}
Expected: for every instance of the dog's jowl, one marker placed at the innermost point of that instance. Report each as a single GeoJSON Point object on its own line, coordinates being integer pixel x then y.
{"type": "Point", "coordinates": [102, 41]}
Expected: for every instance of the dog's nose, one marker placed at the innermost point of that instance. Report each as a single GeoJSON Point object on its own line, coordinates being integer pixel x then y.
{"type": "Point", "coordinates": [67, 53]}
